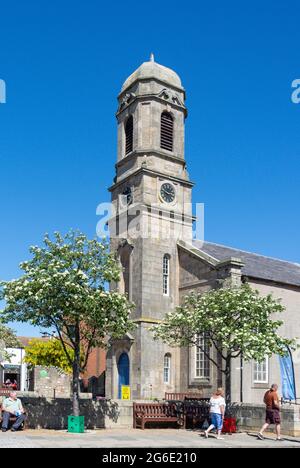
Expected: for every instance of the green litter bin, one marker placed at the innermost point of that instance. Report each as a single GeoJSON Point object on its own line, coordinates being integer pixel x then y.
{"type": "Point", "coordinates": [76, 424]}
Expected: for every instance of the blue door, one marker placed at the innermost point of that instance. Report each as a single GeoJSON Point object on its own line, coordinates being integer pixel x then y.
{"type": "Point", "coordinates": [123, 370]}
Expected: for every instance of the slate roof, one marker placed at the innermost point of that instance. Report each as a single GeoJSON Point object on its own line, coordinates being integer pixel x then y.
{"type": "Point", "coordinates": [257, 266]}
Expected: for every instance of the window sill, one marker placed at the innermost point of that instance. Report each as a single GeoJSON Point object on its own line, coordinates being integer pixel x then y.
{"type": "Point", "coordinates": [264, 385]}
{"type": "Point", "coordinates": [200, 382]}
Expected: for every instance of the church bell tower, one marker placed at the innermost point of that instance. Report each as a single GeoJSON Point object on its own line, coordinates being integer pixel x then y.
{"type": "Point", "coordinates": [151, 196]}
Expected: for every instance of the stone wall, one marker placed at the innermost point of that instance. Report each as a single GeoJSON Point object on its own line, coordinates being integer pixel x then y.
{"type": "Point", "coordinates": [54, 383]}
{"type": "Point", "coordinates": [47, 413]}
{"type": "Point", "coordinates": [251, 417]}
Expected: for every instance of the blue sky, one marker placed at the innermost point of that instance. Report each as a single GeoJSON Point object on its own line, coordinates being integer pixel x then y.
{"type": "Point", "coordinates": [64, 63]}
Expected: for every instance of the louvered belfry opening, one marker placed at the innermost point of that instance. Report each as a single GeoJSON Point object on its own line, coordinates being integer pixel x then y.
{"type": "Point", "coordinates": [166, 131]}
{"type": "Point", "coordinates": [129, 135]}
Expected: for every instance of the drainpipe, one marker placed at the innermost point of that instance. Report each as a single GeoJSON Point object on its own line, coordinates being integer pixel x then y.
{"type": "Point", "coordinates": [241, 379]}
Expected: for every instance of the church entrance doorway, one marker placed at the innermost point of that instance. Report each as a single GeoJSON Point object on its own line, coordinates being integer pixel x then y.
{"type": "Point", "coordinates": [123, 371]}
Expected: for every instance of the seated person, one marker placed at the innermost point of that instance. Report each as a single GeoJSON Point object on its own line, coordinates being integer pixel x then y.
{"type": "Point", "coordinates": [7, 383]}
{"type": "Point", "coordinates": [12, 406]}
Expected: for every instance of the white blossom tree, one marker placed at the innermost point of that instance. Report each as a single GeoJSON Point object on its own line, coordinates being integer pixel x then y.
{"type": "Point", "coordinates": [63, 288]}
{"type": "Point", "coordinates": [8, 339]}
{"type": "Point", "coordinates": [234, 321]}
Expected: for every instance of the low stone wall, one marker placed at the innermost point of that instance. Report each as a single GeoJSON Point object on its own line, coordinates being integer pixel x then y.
{"type": "Point", "coordinates": [119, 414]}
{"type": "Point", "coordinates": [251, 417]}
{"type": "Point", "coordinates": [49, 413]}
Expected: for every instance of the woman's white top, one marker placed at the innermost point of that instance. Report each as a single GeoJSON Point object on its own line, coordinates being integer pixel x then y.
{"type": "Point", "coordinates": [216, 403]}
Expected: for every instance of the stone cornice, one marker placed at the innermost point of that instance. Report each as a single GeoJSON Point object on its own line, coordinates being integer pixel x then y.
{"type": "Point", "coordinates": [231, 261]}
{"type": "Point", "coordinates": [217, 264]}
{"type": "Point", "coordinates": [152, 97]}
{"type": "Point", "coordinates": [199, 254]}
{"type": "Point", "coordinates": [151, 78]}
{"type": "Point", "coordinates": [195, 284]}
{"type": "Point", "coordinates": [188, 219]}
{"type": "Point", "coordinates": [144, 208]}
{"type": "Point", "coordinates": [153, 173]}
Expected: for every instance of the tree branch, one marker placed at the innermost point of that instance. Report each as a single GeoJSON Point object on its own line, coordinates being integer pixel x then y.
{"type": "Point", "coordinates": [64, 345]}
{"type": "Point", "coordinates": [88, 349]}
{"type": "Point", "coordinates": [219, 350]}
{"type": "Point", "coordinates": [209, 357]}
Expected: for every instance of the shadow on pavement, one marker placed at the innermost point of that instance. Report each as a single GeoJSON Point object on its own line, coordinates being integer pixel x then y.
{"type": "Point", "coordinates": [272, 439]}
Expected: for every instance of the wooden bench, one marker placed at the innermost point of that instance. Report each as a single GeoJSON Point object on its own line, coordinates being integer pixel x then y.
{"type": "Point", "coordinates": [194, 408]}
{"type": "Point", "coordinates": [195, 413]}
{"type": "Point", "coordinates": [155, 412]}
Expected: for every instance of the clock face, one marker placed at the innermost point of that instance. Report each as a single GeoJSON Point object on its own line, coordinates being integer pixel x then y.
{"type": "Point", "coordinates": [127, 196]}
{"type": "Point", "coordinates": [167, 192]}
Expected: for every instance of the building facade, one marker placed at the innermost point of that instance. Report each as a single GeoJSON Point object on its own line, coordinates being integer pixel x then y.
{"type": "Point", "coordinates": [14, 371]}
{"type": "Point", "coordinates": [151, 231]}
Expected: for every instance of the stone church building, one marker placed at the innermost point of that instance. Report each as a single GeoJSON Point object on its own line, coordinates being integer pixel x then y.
{"type": "Point", "coordinates": [152, 232]}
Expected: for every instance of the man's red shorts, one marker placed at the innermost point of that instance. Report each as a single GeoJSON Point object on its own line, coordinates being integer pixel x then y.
{"type": "Point", "coordinates": [273, 416]}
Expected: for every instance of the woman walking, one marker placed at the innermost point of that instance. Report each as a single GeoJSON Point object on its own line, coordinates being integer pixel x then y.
{"type": "Point", "coordinates": [217, 411]}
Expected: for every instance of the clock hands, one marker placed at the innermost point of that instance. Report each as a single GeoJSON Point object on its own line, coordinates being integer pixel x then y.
{"type": "Point", "coordinates": [168, 192]}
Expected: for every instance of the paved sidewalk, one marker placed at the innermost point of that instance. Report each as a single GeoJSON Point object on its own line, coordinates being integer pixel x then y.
{"type": "Point", "coordinates": [133, 438]}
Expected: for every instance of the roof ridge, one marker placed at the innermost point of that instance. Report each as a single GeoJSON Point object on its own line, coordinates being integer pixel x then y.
{"type": "Point", "coordinates": [253, 253]}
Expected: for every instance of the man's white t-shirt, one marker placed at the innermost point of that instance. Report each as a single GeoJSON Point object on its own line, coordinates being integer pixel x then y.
{"type": "Point", "coordinates": [216, 403]}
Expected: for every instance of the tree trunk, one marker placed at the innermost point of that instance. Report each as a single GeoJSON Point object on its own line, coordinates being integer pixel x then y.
{"type": "Point", "coordinates": [228, 381]}
{"type": "Point", "coordinates": [76, 373]}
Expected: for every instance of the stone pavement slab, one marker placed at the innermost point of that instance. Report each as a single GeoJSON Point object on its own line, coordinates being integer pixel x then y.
{"type": "Point", "coordinates": [134, 438]}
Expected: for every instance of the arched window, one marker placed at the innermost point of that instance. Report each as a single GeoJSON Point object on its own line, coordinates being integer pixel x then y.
{"type": "Point", "coordinates": [166, 275]}
{"type": "Point", "coordinates": [129, 135]}
{"type": "Point", "coordinates": [125, 273]}
{"type": "Point", "coordinates": [166, 131]}
{"type": "Point", "coordinates": [167, 368]}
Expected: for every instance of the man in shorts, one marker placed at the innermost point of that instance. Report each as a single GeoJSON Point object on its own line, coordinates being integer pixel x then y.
{"type": "Point", "coordinates": [271, 401]}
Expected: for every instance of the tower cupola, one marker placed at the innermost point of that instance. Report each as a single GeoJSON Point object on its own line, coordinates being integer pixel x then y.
{"type": "Point", "coordinates": [151, 114]}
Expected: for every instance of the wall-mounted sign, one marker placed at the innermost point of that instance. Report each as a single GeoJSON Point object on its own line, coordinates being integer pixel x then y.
{"type": "Point", "coordinates": [125, 392]}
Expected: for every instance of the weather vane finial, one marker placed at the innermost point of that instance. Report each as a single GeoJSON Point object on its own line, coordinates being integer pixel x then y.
{"type": "Point", "coordinates": [151, 57]}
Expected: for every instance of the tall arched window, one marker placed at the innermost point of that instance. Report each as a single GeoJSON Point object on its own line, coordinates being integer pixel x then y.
{"type": "Point", "coordinates": [167, 368]}
{"type": "Point", "coordinates": [125, 273]}
{"type": "Point", "coordinates": [129, 135]}
{"type": "Point", "coordinates": [166, 275]}
{"type": "Point", "coordinates": [166, 131]}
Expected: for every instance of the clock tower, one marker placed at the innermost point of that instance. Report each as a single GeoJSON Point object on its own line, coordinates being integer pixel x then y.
{"type": "Point", "coordinates": [151, 197]}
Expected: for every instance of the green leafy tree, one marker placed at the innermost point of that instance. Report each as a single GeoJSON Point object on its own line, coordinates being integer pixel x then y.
{"type": "Point", "coordinates": [49, 353]}
{"type": "Point", "coordinates": [8, 339]}
{"type": "Point", "coordinates": [64, 288]}
{"type": "Point", "coordinates": [234, 321]}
